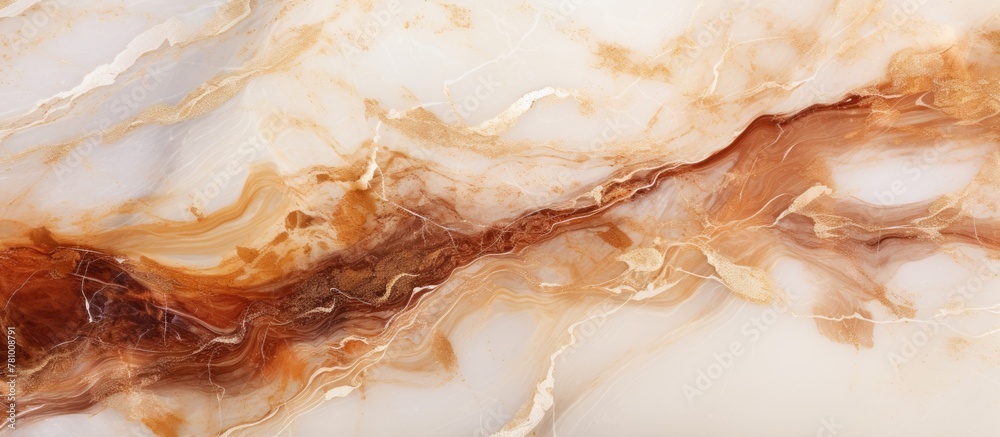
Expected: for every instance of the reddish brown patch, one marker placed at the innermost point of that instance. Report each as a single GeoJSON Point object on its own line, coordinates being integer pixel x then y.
{"type": "Point", "coordinates": [298, 219]}
{"type": "Point", "coordinates": [280, 238]}
{"type": "Point", "coordinates": [444, 352]}
{"type": "Point", "coordinates": [166, 425]}
{"type": "Point", "coordinates": [42, 237]}
{"type": "Point", "coordinates": [64, 261]}
{"type": "Point", "coordinates": [247, 254]}
{"type": "Point", "coordinates": [355, 210]}
{"type": "Point", "coordinates": [616, 237]}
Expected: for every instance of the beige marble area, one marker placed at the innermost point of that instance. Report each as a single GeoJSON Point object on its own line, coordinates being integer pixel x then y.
{"type": "Point", "coordinates": [510, 218]}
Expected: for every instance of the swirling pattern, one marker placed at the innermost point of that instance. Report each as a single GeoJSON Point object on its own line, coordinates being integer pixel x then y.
{"type": "Point", "coordinates": [217, 226]}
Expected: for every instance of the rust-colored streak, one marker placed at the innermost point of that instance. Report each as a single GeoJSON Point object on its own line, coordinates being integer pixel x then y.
{"type": "Point", "coordinates": [615, 237]}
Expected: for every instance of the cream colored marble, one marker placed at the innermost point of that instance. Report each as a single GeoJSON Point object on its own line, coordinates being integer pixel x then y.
{"type": "Point", "coordinates": [161, 110]}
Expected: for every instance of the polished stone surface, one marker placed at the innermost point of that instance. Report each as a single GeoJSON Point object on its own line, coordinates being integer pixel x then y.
{"type": "Point", "coordinates": [542, 217]}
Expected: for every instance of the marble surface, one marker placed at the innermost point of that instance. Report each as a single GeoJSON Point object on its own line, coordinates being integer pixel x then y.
{"type": "Point", "coordinates": [541, 217]}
